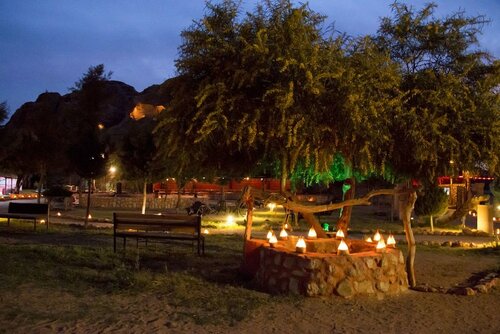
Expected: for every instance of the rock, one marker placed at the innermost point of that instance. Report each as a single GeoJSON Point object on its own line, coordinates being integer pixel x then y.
{"type": "Point", "coordinates": [289, 262]}
{"type": "Point", "coordinates": [345, 289]}
{"type": "Point", "coordinates": [446, 244]}
{"type": "Point", "coordinates": [293, 286]}
{"type": "Point", "coordinates": [364, 287]}
{"type": "Point", "coordinates": [312, 289]}
{"type": "Point", "coordinates": [425, 243]}
{"type": "Point", "coordinates": [383, 286]}
{"type": "Point", "coordinates": [455, 244]}
{"type": "Point", "coordinates": [481, 288]}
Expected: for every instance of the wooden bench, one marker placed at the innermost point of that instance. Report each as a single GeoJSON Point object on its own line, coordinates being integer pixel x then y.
{"type": "Point", "coordinates": [27, 211]}
{"type": "Point", "coordinates": [158, 227]}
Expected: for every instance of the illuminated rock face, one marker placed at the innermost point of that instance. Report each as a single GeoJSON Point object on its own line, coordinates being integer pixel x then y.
{"type": "Point", "coordinates": [323, 274]}
{"type": "Point", "coordinates": [142, 110]}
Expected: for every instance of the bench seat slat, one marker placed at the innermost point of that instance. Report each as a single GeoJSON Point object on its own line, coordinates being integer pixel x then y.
{"type": "Point", "coordinates": [167, 227]}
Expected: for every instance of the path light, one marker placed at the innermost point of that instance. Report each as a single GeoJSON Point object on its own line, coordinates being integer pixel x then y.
{"type": "Point", "coordinates": [312, 233]}
{"type": "Point", "coordinates": [271, 206]}
{"type": "Point", "coordinates": [230, 220]}
{"type": "Point", "coordinates": [391, 242]}
{"type": "Point", "coordinates": [340, 234]}
{"type": "Point", "coordinates": [205, 231]}
{"type": "Point", "coordinates": [283, 234]}
{"type": "Point", "coordinates": [42, 221]}
{"type": "Point", "coordinates": [377, 236]}
{"type": "Point", "coordinates": [380, 246]}
{"type": "Point", "coordinates": [273, 241]}
{"type": "Point", "coordinates": [90, 216]}
{"type": "Point", "coordinates": [58, 214]}
{"type": "Point", "coordinates": [300, 246]}
{"type": "Point", "coordinates": [343, 249]}
{"type": "Point", "coordinates": [269, 234]}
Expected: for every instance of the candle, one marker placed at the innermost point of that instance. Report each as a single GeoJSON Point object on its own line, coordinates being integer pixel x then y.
{"type": "Point", "coordinates": [283, 234]}
{"type": "Point", "coordinates": [343, 249]}
{"type": "Point", "coordinates": [273, 241]}
{"type": "Point", "coordinates": [312, 233]}
{"type": "Point", "coordinates": [300, 247]}
{"type": "Point", "coordinates": [339, 234]}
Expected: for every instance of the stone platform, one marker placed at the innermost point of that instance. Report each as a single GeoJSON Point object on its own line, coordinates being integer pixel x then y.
{"type": "Point", "coordinates": [281, 270]}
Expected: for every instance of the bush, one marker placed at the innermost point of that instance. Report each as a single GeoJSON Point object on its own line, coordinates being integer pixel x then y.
{"type": "Point", "coordinates": [433, 201]}
{"type": "Point", "coordinates": [57, 191]}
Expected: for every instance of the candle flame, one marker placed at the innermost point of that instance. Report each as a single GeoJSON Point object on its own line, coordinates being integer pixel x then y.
{"type": "Point", "coordinates": [340, 234]}
{"type": "Point", "coordinates": [312, 233]}
{"type": "Point", "coordinates": [391, 241]}
{"type": "Point", "coordinates": [343, 246]}
{"type": "Point", "coordinates": [301, 243]}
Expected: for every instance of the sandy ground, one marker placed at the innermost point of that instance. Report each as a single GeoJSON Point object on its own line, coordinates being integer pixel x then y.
{"type": "Point", "coordinates": [411, 312]}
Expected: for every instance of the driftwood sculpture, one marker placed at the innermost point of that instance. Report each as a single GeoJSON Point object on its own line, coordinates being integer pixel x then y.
{"type": "Point", "coordinates": [290, 202]}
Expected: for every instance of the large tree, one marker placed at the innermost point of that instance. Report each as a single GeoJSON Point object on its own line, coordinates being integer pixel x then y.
{"type": "Point", "coordinates": [87, 152]}
{"type": "Point", "coordinates": [449, 109]}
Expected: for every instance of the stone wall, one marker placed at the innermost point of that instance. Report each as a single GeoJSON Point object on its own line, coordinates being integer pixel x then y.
{"type": "Point", "coordinates": [135, 202]}
{"type": "Point", "coordinates": [321, 274]}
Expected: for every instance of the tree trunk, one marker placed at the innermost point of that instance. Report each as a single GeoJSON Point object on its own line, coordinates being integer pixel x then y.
{"type": "Point", "coordinates": [144, 196]}
{"type": "Point", "coordinates": [432, 223]}
{"type": "Point", "coordinates": [39, 188]}
{"type": "Point", "coordinates": [463, 210]}
{"type": "Point", "coordinates": [345, 218]}
{"type": "Point", "coordinates": [284, 173]}
{"type": "Point", "coordinates": [410, 238]}
{"type": "Point", "coordinates": [87, 212]}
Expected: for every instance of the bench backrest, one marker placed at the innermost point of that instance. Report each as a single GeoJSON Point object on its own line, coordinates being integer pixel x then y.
{"type": "Point", "coordinates": [28, 208]}
{"type": "Point", "coordinates": [173, 223]}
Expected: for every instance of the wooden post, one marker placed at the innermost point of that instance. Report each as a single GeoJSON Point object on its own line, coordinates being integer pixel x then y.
{"type": "Point", "coordinates": [410, 238]}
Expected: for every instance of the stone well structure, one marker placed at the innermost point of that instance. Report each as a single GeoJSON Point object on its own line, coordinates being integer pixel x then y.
{"type": "Point", "coordinates": [321, 272]}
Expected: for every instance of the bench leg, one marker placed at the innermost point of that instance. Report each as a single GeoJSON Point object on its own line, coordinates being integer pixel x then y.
{"type": "Point", "coordinates": [8, 221]}
{"type": "Point", "coordinates": [114, 244]}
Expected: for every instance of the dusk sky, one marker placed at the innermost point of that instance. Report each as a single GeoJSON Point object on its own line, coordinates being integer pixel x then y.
{"type": "Point", "coordinates": [48, 45]}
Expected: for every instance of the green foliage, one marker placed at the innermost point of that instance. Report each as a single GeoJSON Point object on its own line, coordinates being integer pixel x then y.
{"type": "Point", "coordinates": [57, 191]}
{"type": "Point", "coordinates": [450, 109]}
{"type": "Point", "coordinates": [432, 201]}
{"type": "Point", "coordinates": [4, 111]}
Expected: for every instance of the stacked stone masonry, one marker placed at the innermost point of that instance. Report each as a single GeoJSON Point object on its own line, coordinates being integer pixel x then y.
{"type": "Point", "coordinates": [322, 274]}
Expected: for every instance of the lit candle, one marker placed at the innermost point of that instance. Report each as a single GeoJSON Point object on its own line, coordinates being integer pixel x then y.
{"type": "Point", "coordinates": [376, 236]}
{"type": "Point", "coordinates": [391, 242]}
{"type": "Point", "coordinates": [273, 241]}
{"type": "Point", "coordinates": [343, 249]}
{"type": "Point", "coordinates": [380, 246]}
{"type": "Point", "coordinates": [339, 234]}
{"type": "Point", "coordinates": [205, 231]}
{"type": "Point", "coordinates": [300, 247]}
{"type": "Point", "coordinates": [283, 234]}
{"type": "Point", "coordinates": [312, 233]}
{"type": "Point", "coordinates": [286, 226]}
{"type": "Point", "coordinates": [269, 234]}
{"type": "Point", "coordinates": [368, 239]}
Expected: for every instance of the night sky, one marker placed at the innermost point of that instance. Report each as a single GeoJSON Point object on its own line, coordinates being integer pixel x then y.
{"type": "Point", "coordinates": [47, 45]}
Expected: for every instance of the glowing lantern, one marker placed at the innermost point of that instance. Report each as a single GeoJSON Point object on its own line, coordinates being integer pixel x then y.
{"type": "Point", "coordinates": [339, 234]}
{"type": "Point", "coordinates": [343, 249]}
{"type": "Point", "coordinates": [59, 214]}
{"type": "Point", "coordinates": [391, 242]}
{"type": "Point", "coordinates": [205, 231]}
{"type": "Point", "coordinates": [230, 220]}
{"type": "Point", "coordinates": [312, 234]}
{"type": "Point", "coordinates": [474, 214]}
{"type": "Point", "coordinates": [300, 246]}
{"type": "Point", "coordinates": [287, 227]}
{"type": "Point", "coordinates": [283, 234]}
{"type": "Point", "coordinates": [380, 246]}
{"type": "Point", "coordinates": [273, 241]}
{"type": "Point", "coordinates": [269, 234]}
{"type": "Point", "coordinates": [89, 217]}
{"type": "Point", "coordinates": [42, 221]}
{"type": "Point", "coordinates": [497, 231]}
{"type": "Point", "coordinates": [368, 239]}
{"type": "Point", "coordinates": [377, 236]}
{"type": "Point", "coordinates": [271, 206]}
